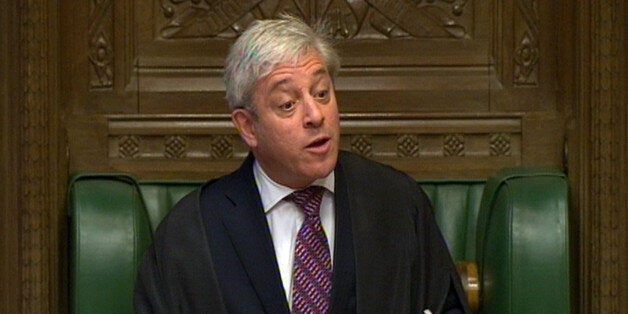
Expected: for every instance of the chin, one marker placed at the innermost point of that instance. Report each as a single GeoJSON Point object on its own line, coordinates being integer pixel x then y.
{"type": "Point", "coordinates": [325, 168]}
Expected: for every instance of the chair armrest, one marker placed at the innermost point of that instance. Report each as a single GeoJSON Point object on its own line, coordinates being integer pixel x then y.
{"type": "Point", "coordinates": [523, 244]}
{"type": "Point", "coordinates": [109, 232]}
{"type": "Point", "coordinates": [468, 272]}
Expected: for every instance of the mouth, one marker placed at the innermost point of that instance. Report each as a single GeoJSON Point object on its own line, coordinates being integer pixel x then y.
{"type": "Point", "coordinates": [320, 145]}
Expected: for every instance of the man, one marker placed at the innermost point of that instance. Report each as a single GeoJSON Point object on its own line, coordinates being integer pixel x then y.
{"type": "Point", "coordinates": [254, 242]}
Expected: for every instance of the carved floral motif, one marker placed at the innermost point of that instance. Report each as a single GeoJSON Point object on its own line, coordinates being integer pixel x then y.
{"type": "Point", "coordinates": [346, 19]}
{"type": "Point", "coordinates": [362, 144]}
{"type": "Point", "coordinates": [526, 55]}
{"type": "Point", "coordinates": [101, 55]}
{"type": "Point", "coordinates": [222, 146]}
{"type": "Point", "coordinates": [453, 145]}
{"type": "Point", "coordinates": [101, 59]}
{"type": "Point", "coordinates": [128, 146]}
{"type": "Point", "coordinates": [500, 144]}
{"type": "Point", "coordinates": [526, 60]}
{"type": "Point", "coordinates": [175, 146]}
{"type": "Point", "coordinates": [408, 145]}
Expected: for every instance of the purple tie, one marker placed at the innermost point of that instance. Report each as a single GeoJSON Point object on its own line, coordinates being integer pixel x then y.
{"type": "Point", "coordinates": [311, 286]}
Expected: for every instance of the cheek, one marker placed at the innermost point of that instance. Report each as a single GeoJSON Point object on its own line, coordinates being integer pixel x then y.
{"type": "Point", "coordinates": [333, 115]}
{"type": "Point", "coordinates": [276, 135]}
{"type": "Point", "coordinates": [332, 105]}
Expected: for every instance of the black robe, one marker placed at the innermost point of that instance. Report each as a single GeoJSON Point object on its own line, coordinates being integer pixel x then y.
{"type": "Point", "coordinates": [214, 254]}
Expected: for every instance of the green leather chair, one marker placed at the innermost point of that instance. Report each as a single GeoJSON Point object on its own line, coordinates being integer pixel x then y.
{"type": "Point", "coordinates": [512, 229]}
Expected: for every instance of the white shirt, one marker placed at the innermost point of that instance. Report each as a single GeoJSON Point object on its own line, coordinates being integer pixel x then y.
{"type": "Point", "coordinates": [285, 219]}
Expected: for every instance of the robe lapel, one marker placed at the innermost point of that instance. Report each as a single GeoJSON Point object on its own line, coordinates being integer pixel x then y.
{"type": "Point", "coordinates": [381, 285]}
{"type": "Point", "coordinates": [248, 229]}
{"type": "Point", "coordinates": [343, 291]}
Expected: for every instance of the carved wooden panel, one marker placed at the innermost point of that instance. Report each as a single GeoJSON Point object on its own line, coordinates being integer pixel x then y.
{"type": "Point", "coordinates": [30, 265]}
{"type": "Point", "coordinates": [34, 143]}
{"type": "Point", "coordinates": [166, 56]}
{"type": "Point", "coordinates": [401, 50]}
{"type": "Point", "coordinates": [599, 164]}
{"type": "Point", "coordinates": [10, 290]}
{"type": "Point", "coordinates": [523, 57]}
{"type": "Point", "coordinates": [458, 59]}
{"type": "Point", "coordinates": [424, 145]}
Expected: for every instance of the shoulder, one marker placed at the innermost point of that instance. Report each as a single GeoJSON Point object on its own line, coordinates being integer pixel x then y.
{"type": "Point", "coordinates": [218, 192]}
{"type": "Point", "coordinates": [358, 169]}
{"type": "Point", "coordinates": [186, 212]}
{"type": "Point", "coordinates": [183, 216]}
{"type": "Point", "coordinates": [379, 182]}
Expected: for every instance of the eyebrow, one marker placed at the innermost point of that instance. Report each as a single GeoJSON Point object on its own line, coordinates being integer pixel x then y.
{"type": "Point", "coordinates": [320, 72]}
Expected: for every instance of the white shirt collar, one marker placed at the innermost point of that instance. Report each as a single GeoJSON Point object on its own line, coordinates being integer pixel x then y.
{"type": "Point", "coordinates": [272, 192]}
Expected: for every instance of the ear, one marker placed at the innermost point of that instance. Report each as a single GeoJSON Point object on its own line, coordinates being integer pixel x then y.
{"type": "Point", "coordinates": [244, 122]}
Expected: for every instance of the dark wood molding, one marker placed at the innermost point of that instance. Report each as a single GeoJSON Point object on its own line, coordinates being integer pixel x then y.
{"type": "Point", "coordinates": [421, 144]}
{"type": "Point", "coordinates": [10, 271]}
{"type": "Point", "coordinates": [597, 147]}
{"type": "Point", "coordinates": [37, 180]}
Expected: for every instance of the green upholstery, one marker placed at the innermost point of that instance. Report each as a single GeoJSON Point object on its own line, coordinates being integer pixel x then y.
{"type": "Point", "coordinates": [109, 232]}
{"type": "Point", "coordinates": [514, 226]}
{"type": "Point", "coordinates": [456, 206]}
{"type": "Point", "coordinates": [523, 245]}
{"type": "Point", "coordinates": [160, 197]}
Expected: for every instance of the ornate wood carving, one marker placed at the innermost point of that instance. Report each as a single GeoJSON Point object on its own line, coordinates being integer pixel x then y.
{"type": "Point", "coordinates": [10, 121]}
{"type": "Point", "coordinates": [349, 19]}
{"type": "Point", "coordinates": [410, 142]}
{"type": "Point", "coordinates": [128, 146]}
{"type": "Point", "coordinates": [175, 147]}
{"type": "Point", "coordinates": [408, 145]}
{"type": "Point", "coordinates": [222, 146]}
{"type": "Point", "coordinates": [526, 56]}
{"type": "Point", "coordinates": [451, 37]}
{"type": "Point", "coordinates": [523, 55]}
{"type": "Point", "coordinates": [361, 144]}
{"type": "Point", "coordinates": [500, 144]}
{"type": "Point", "coordinates": [184, 42]}
{"type": "Point", "coordinates": [453, 145]}
{"type": "Point", "coordinates": [602, 171]}
{"type": "Point", "coordinates": [38, 185]}
{"type": "Point", "coordinates": [101, 56]}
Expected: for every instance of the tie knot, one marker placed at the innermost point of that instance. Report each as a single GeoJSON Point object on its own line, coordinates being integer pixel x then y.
{"type": "Point", "coordinates": [308, 199]}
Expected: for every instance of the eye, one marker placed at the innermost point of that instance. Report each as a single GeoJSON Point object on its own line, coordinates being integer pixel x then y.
{"type": "Point", "coordinates": [324, 94]}
{"type": "Point", "coordinates": [287, 106]}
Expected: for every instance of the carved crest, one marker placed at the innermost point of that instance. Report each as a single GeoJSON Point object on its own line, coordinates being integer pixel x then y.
{"type": "Point", "coordinates": [346, 19]}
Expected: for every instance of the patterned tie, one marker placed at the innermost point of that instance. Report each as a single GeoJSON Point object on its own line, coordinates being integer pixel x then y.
{"type": "Point", "coordinates": [311, 287]}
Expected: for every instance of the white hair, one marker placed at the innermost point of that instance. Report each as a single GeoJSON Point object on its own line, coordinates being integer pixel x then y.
{"type": "Point", "coordinates": [266, 44]}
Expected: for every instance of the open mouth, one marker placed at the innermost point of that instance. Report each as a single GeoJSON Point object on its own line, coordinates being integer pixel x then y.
{"type": "Point", "coordinates": [318, 143]}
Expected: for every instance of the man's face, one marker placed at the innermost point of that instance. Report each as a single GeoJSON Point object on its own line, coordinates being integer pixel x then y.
{"type": "Point", "coordinates": [294, 130]}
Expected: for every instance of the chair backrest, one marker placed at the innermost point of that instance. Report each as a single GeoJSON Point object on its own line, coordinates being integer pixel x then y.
{"type": "Point", "coordinates": [456, 206]}
{"type": "Point", "coordinates": [114, 216]}
{"type": "Point", "coordinates": [160, 196]}
{"type": "Point", "coordinates": [109, 232]}
{"type": "Point", "coordinates": [523, 242]}
{"type": "Point", "coordinates": [514, 226]}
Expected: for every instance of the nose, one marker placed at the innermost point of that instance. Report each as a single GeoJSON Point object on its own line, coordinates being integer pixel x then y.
{"type": "Point", "coordinates": [313, 116]}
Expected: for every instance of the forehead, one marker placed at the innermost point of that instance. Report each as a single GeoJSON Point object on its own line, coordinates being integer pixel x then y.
{"type": "Point", "coordinates": [310, 65]}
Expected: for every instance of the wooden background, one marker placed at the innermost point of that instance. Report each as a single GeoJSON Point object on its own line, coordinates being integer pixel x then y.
{"type": "Point", "coordinates": [440, 89]}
